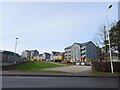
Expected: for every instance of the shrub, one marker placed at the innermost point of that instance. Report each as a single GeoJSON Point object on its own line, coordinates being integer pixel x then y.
{"type": "Point", "coordinates": [105, 66]}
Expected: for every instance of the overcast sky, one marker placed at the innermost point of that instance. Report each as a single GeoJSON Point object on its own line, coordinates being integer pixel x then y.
{"type": "Point", "coordinates": [52, 25]}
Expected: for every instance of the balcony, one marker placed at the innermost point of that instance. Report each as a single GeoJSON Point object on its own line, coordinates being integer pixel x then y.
{"type": "Point", "coordinates": [83, 51]}
{"type": "Point", "coordinates": [83, 56]}
{"type": "Point", "coordinates": [83, 48]}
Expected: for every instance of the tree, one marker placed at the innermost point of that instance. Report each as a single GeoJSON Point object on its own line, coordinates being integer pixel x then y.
{"type": "Point", "coordinates": [101, 41]}
{"type": "Point", "coordinates": [115, 37]}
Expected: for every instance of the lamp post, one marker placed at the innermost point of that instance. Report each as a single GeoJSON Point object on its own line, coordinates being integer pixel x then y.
{"type": "Point", "coordinates": [108, 31]}
{"type": "Point", "coordinates": [15, 50]}
{"type": "Point", "coordinates": [16, 44]}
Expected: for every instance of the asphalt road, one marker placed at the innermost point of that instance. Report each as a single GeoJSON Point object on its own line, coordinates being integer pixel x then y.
{"type": "Point", "coordinates": [58, 82]}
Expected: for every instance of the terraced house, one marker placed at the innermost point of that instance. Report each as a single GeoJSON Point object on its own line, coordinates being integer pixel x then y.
{"type": "Point", "coordinates": [83, 52]}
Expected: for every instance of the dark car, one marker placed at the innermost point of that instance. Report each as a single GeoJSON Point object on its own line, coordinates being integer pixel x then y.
{"type": "Point", "coordinates": [57, 60]}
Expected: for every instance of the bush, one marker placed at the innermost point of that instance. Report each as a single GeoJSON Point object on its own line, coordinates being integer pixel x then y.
{"type": "Point", "coordinates": [105, 66]}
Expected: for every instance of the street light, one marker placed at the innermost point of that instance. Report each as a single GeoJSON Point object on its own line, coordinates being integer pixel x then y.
{"type": "Point", "coordinates": [107, 29]}
{"type": "Point", "coordinates": [16, 44]}
{"type": "Point", "coordinates": [15, 49]}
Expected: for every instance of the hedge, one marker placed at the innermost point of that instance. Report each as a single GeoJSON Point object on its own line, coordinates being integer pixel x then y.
{"type": "Point", "coordinates": [105, 66]}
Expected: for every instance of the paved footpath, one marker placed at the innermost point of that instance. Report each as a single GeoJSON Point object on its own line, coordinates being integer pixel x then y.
{"type": "Point", "coordinates": [71, 69]}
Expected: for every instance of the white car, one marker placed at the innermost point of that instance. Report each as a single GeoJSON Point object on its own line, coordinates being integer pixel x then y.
{"type": "Point", "coordinates": [77, 63]}
{"type": "Point", "coordinates": [82, 63]}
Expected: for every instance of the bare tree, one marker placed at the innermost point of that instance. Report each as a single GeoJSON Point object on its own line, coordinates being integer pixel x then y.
{"type": "Point", "coordinates": [100, 40]}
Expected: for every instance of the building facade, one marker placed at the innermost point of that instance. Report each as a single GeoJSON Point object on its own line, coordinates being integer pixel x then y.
{"type": "Point", "coordinates": [53, 55]}
{"type": "Point", "coordinates": [83, 52]}
{"type": "Point", "coordinates": [29, 54]}
{"type": "Point", "coordinates": [67, 55]}
{"type": "Point", "coordinates": [59, 56]}
{"type": "Point", "coordinates": [46, 56]}
{"type": "Point", "coordinates": [38, 57]}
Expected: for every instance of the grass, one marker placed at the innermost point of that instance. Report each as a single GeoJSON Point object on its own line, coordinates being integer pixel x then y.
{"type": "Point", "coordinates": [37, 66]}
{"type": "Point", "coordinates": [43, 71]}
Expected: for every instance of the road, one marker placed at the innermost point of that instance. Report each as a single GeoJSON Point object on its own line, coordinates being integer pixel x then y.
{"type": "Point", "coordinates": [58, 82]}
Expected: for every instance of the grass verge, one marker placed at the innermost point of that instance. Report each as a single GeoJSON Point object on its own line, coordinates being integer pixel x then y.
{"type": "Point", "coordinates": [37, 66]}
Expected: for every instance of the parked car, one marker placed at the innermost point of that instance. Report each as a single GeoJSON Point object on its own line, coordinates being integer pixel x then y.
{"type": "Point", "coordinates": [57, 60]}
{"type": "Point", "coordinates": [82, 63]}
{"type": "Point", "coordinates": [51, 60]}
{"type": "Point", "coordinates": [77, 63]}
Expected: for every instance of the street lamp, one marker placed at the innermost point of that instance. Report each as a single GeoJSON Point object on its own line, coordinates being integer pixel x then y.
{"type": "Point", "coordinates": [16, 44]}
{"type": "Point", "coordinates": [15, 49]}
{"type": "Point", "coordinates": [107, 29]}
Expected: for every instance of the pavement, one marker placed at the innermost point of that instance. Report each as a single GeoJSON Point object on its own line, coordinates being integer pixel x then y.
{"type": "Point", "coordinates": [67, 71]}
{"type": "Point", "coordinates": [71, 69]}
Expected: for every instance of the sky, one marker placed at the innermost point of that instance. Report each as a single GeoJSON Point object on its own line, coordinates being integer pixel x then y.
{"type": "Point", "coordinates": [52, 26]}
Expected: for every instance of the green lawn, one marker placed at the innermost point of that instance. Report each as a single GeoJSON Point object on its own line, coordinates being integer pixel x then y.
{"type": "Point", "coordinates": [32, 65]}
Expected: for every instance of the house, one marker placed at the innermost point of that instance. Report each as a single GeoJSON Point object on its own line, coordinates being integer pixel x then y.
{"type": "Point", "coordinates": [83, 52]}
{"type": "Point", "coordinates": [38, 57]}
{"type": "Point", "coordinates": [53, 55]}
{"type": "Point", "coordinates": [59, 56]}
{"type": "Point", "coordinates": [29, 54]}
{"type": "Point", "coordinates": [45, 56]}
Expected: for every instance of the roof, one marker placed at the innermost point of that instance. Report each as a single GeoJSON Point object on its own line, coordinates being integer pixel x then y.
{"type": "Point", "coordinates": [46, 53]}
{"type": "Point", "coordinates": [40, 54]}
{"type": "Point", "coordinates": [81, 44]}
{"type": "Point", "coordinates": [85, 43]}
{"type": "Point", "coordinates": [61, 53]}
{"type": "Point", "coordinates": [30, 50]}
{"type": "Point", "coordinates": [8, 52]}
{"type": "Point", "coordinates": [68, 47]}
{"type": "Point", "coordinates": [55, 52]}
{"type": "Point", "coordinates": [78, 43]}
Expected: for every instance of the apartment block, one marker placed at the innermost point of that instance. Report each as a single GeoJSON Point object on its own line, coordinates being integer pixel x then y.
{"type": "Point", "coordinates": [83, 52]}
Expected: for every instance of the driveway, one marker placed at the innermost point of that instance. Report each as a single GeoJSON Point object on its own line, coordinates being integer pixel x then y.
{"type": "Point", "coordinates": [71, 69]}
